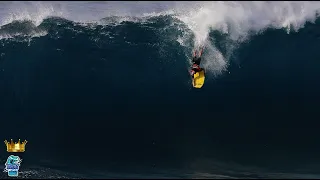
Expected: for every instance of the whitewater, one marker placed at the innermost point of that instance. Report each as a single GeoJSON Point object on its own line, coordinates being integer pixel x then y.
{"type": "Point", "coordinates": [237, 20]}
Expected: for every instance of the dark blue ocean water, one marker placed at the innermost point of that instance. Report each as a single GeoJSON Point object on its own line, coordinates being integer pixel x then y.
{"type": "Point", "coordinates": [118, 99]}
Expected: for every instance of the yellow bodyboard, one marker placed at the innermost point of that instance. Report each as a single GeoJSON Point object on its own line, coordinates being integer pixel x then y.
{"type": "Point", "coordinates": [198, 79]}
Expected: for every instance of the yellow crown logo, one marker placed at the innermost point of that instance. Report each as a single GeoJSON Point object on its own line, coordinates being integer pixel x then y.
{"type": "Point", "coordinates": [16, 147]}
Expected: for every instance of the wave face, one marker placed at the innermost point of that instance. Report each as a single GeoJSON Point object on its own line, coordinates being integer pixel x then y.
{"type": "Point", "coordinates": [109, 81]}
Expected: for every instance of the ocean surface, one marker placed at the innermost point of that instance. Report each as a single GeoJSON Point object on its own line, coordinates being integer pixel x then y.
{"type": "Point", "coordinates": [102, 89]}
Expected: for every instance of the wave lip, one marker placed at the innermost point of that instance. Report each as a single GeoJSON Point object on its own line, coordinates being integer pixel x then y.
{"type": "Point", "coordinates": [34, 12]}
{"type": "Point", "coordinates": [24, 29]}
{"type": "Point", "coordinates": [235, 20]}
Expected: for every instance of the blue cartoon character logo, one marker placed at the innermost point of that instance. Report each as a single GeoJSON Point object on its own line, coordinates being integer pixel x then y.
{"type": "Point", "coordinates": [12, 165]}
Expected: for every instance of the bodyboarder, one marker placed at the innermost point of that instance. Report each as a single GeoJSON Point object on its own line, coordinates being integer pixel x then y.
{"type": "Point", "coordinates": [196, 60]}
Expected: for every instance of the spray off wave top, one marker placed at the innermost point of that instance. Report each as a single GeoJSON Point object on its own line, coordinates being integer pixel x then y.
{"type": "Point", "coordinates": [236, 20]}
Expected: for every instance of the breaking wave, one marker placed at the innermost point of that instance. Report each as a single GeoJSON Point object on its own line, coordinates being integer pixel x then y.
{"type": "Point", "coordinates": [220, 26]}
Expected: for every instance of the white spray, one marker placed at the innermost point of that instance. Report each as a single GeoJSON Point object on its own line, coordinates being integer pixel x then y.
{"type": "Point", "coordinates": [236, 19]}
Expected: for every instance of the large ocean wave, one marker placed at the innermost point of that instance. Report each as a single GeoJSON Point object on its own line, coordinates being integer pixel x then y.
{"type": "Point", "coordinates": [75, 71]}
{"type": "Point", "coordinates": [220, 26]}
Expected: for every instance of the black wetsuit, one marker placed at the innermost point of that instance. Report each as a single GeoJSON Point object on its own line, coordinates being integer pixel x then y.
{"type": "Point", "coordinates": [196, 60]}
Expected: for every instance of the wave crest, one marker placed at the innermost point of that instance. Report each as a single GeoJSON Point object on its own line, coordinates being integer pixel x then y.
{"type": "Point", "coordinates": [187, 23]}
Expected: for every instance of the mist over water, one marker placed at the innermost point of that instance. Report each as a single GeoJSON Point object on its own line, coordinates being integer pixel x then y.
{"type": "Point", "coordinates": [117, 72]}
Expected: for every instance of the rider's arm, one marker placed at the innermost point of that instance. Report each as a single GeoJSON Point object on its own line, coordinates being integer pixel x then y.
{"type": "Point", "coordinates": [200, 53]}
